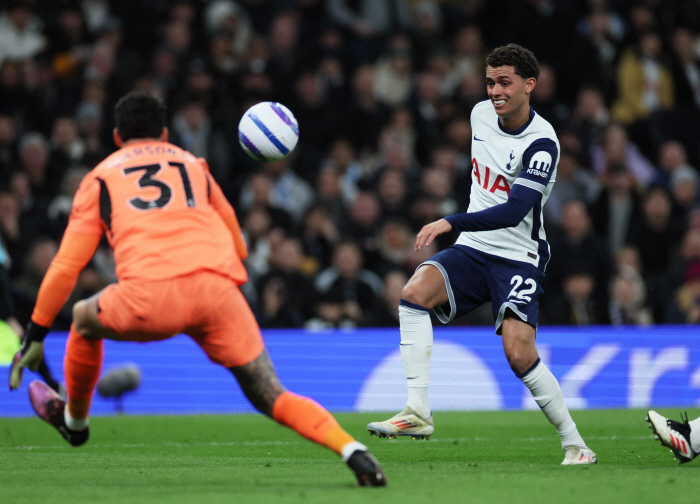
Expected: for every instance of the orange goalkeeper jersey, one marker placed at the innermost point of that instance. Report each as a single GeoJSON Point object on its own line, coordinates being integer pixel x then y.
{"type": "Point", "coordinates": [162, 213]}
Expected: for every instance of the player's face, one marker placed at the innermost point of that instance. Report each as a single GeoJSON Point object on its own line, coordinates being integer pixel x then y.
{"type": "Point", "coordinates": [510, 95]}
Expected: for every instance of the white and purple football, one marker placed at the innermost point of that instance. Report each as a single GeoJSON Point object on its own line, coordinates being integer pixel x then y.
{"type": "Point", "coordinates": [268, 131]}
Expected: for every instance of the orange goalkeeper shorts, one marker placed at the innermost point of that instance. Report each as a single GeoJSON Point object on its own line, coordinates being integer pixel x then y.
{"type": "Point", "coordinates": [208, 307]}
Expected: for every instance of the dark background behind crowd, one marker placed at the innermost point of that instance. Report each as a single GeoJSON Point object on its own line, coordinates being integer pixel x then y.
{"type": "Point", "coordinates": [382, 90]}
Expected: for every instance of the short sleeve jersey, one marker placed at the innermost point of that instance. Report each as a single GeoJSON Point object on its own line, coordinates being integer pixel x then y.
{"type": "Point", "coordinates": [161, 211]}
{"type": "Point", "coordinates": [500, 159]}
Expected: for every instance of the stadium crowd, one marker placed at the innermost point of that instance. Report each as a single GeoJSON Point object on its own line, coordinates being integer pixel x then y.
{"type": "Point", "coordinates": [382, 90]}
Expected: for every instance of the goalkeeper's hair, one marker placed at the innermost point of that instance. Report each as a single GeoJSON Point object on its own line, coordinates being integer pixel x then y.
{"type": "Point", "coordinates": [140, 114]}
{"type": "Point", "coordinates": [521, 59]}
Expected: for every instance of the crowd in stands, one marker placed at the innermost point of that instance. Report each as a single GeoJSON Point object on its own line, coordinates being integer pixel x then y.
{"type": "Point", "coordinates": [382, 90]}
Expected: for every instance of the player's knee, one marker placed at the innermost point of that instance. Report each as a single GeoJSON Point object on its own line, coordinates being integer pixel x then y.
{"type": "Point", "coordinates": [411, 293]}
{"type": "Point", "coordinates": [81, 319]}
{"type": "Point", "coordinates": [516, 362]}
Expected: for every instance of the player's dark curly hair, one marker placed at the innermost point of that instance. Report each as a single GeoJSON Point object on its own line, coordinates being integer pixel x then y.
{"type": "Point", "coordinates": [521, 59]}
{"type": "Point", "coordinates": [140, 114]}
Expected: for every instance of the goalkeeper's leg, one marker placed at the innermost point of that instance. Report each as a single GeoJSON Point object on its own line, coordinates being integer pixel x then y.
{"type": "Point", "coordinates": [260, 384]}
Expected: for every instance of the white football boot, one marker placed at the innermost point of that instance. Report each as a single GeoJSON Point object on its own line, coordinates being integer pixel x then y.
{"type": "Point", "coordinates": [579, 455]}
{"type": "Point", "coordinates": [406, 423]}
{"type": "Point", "coordinates": [672, 434]}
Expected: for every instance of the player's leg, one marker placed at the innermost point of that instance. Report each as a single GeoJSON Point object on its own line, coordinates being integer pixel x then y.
{"type": "Point", "coordinates": [229, 334]}
{"type": "Point", "coordinates": [82, 365]}
{"type": "Point", "coordinates": [424, 291]}
{"type": "Point", "coordinates": [262, 387]}
{"type": "Point", "coordinates": [683, 438]}
{"type": "Point", "coordinates": [521, 352]}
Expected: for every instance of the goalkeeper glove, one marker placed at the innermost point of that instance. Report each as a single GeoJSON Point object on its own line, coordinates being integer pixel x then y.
{"type": "Point", "coordinates": [30, 354]}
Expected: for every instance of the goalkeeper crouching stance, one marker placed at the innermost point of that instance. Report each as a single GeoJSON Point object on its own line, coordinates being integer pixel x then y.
{"type": "Point", "coordinates": [178, 250]}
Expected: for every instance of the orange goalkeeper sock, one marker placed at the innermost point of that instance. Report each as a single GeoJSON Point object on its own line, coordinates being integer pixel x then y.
{"type": "Point", "coordinates": [82, 366]}
{"type": "Point", "coordinates": [311, 420]}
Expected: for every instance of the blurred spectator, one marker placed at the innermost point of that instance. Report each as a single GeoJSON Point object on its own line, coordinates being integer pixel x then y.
{"type": "Point", "coordinates": [21, 32]}
{"type": "Point", "coordinates": [8, 146]}
{"type": "Point", "coordinates": [595, 51]}
{"type": "Point", "coordinates": [281, 304]}
{"type": "Point", "coordinates": [686, 70]}
{"type": "Point", "coordinates": [672, 155]}
{"type": "Point", "coordinates": [287, 191]}
{"type": "Point", "coordinates": [573, 183]}
{"type": "Point", "coordinates": [34, 268]}
{"type": "Point", "coordinates": [394, 244]}
{"type": "Point", "coordinates": [364, 116]}
{"type": "Point", "coordinates": [616, 148]}
{"type": "Point", "coordinates": [684, 190]}
{"type": "Point", "coordinates": [317, 122]}
{"type": "Point", "coordinates": [193, 130]}
{"type": "Point", "coordinates": [387, 312]}
{"type": "Point", "coordinates": [393, 72]}
{"type": "Point", "coordinates": [628, 300]}
{"type": "Point", "coordinates": [577, 305]}
{"type": "Point", "coordinates": [320, 234]}
{"type": "Point", "coordinates": [392, 190]}
{"type": "Point", "coordinates": [545, 101]}
{"type": "Point", "coordinates": [59, 209]}
{"type": "Point", "coordinates": [469, 52]}
{"type": "Point", "coordinates": [285, 52]}
{"type": "Point", "coordinates": [684, 307]}
{"type": "Point", "coordinates": [424, 105]}
{"type": "Point", "coordinates": [335, 311]}
{"type": "Point", "coordinates": [364, 220]}
{"type": "Point", "coordinates": [67, 147]}
{"type": "Point", "coordinates": [644, 83]}
{"type": "Point", "coordinates": [96, 14]}
{"type": "Point", "coordinates": [578, 248]}
{"type": "Point", "coordinates": [89, 118]}
{"type": "Point", "coordinates": [590, 116]}
{"type": "Point", "coordinates": [655, 234]}
{"type": "Point", "coordinates": [343, 157]}
{"type": "Point", "coordinates": [368, 21]}
{"type": "Point", "coordinates": [358, 288]}
{"type": "Point", "coordinates": [616, 207]}
{"type": "Point", "coordinates": [228, 25]}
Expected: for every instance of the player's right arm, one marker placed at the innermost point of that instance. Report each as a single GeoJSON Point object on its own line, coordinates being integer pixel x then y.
{"type": "Point", "coordinates": [79, 244]}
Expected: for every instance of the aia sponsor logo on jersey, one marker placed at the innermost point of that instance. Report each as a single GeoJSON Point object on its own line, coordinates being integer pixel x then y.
{"type": "Point", "coordinates": [483, 178]}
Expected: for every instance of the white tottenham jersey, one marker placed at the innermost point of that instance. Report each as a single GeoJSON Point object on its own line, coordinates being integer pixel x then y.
{"type": "Point", "coordinates": [500, 159]}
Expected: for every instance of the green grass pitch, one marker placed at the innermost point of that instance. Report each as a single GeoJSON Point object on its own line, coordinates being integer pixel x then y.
{"type": "Point", "coordinates": [475, 457]}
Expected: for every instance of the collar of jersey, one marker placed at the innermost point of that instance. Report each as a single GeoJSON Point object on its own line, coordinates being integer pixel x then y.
{"type": "Point", "coordinates": [521, 128]}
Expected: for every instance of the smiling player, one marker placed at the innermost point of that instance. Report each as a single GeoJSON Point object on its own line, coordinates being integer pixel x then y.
{"type": "Point", "coordinates": [500, 255]}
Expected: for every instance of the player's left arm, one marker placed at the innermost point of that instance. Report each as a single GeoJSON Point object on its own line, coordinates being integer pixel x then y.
{"type": "Point", "coordinates": [539, 161]}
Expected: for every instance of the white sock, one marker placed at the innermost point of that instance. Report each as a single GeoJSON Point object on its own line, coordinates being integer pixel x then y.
{"type": "Point", "coordinates": [416, 349]}
{"type": "Point", "coordinates": [74, 423]}
{"type": "Point", "coordinates": [547, 394]}
{"type": "Point", "coordinates": [695, 434]}
{"type": "Point", "coordinates": [419, 397]}
{"type": "Point", "coordinates": [351, 448]}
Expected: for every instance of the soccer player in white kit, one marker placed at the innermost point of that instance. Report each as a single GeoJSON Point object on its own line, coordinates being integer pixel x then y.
{"type": "Point", "coordinates": [683, 438]}
{"type": "Point", "coordinates": [500, 255]}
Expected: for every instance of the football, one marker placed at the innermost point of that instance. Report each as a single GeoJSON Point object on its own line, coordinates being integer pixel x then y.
{"type": "Point", "coordinates": [268, 131]}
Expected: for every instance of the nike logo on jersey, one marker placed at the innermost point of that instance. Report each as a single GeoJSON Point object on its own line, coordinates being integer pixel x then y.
{"type": "Point", "coordinates": [478, 139]}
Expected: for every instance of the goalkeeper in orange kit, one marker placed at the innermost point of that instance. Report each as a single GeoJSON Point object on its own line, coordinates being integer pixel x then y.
{"type": "Point", "coordinates": [178, 250]}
